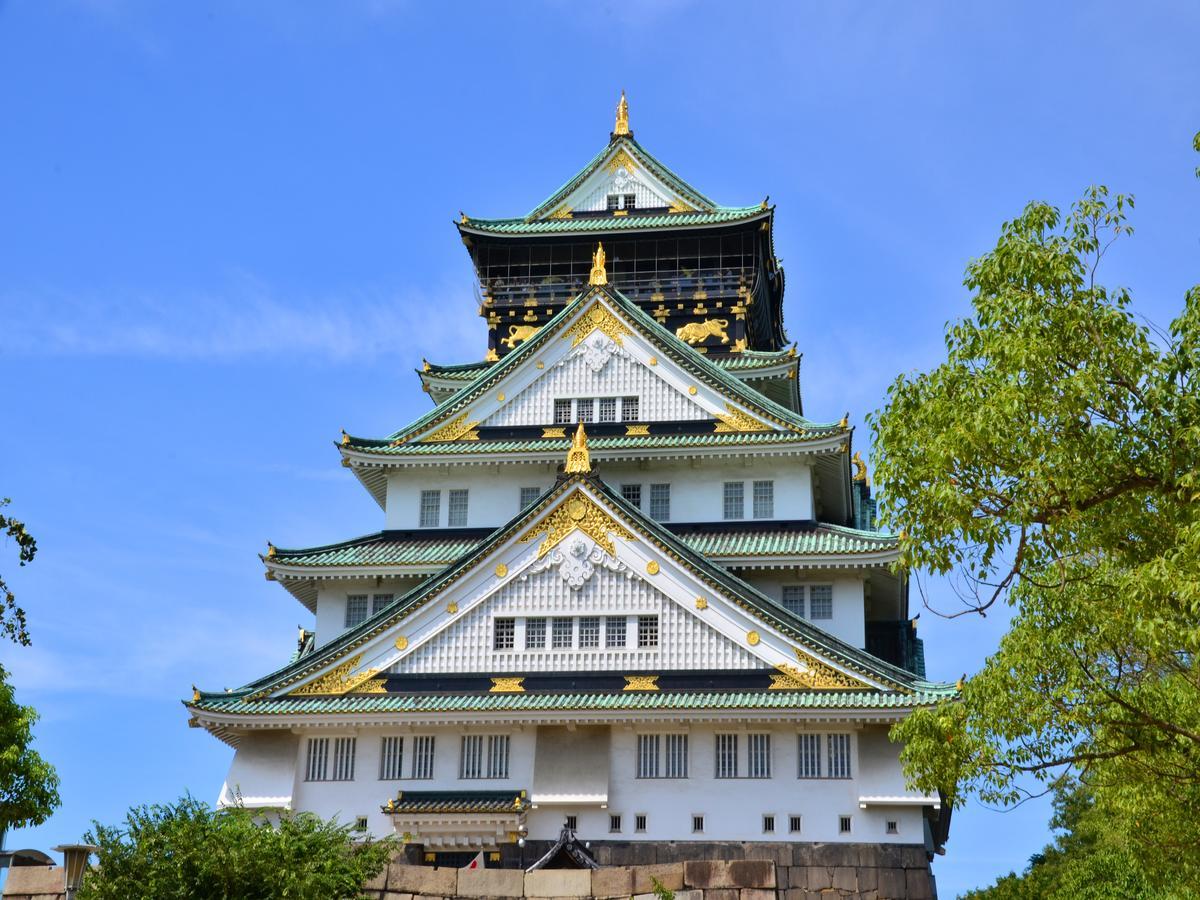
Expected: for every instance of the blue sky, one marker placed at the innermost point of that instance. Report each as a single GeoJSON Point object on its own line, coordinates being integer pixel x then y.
{"type": "Point", "coordinates": [225, 233]}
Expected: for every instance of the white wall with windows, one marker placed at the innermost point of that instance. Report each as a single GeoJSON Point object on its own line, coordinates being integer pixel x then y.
{"type": "Point", "coordinates": [833, 603]}
{"type": "Point", "coordinates": [343, 603]}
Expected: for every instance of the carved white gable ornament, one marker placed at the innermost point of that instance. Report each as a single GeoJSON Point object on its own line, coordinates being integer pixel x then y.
{"type": "Point", "coordinates": [576, 561]}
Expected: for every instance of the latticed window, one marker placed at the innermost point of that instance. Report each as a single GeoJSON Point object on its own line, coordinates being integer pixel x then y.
{"type": "Point", "coordinates": [379, 601]}
{"type": "Point", "coordinates": [647, 633]}
{"type": "Point", "coordinates": [660, 502]}
{"type": "Point", "coordinates": [505, 634]}
{"type": "Point", "coordinates": [764, 499]}
{"type": "Point", "coordinates": [585, 410]}
{"type": "Point", "coordinates": [809, 753]}
{"type": "Point", "coordinates": [614, 631]}
{"type": "Point", "coordinates": [647, 755]}
{"type": "Point", "coordinates": [820, 601]}
{"type": "Point", "coordinates": [676, 756]}
{"type": "Point", "coordinates": [422, 757]}
{"type": "Point", "coordinates": [612, 201]}
{"type": "Point", "coordinates": [562, 412]}
{"type": "Point", "coordinates": [497, 756]}
{"type": "Point", "coordinates": [758, 761]}
{"type": "Point", "coordinates": [589, 632]}
{"type": "Point", "coordinates": [343, 758]}
{"type": "Point", "coordinates": [535, 634]}
{"type": "Point", "coordinates": [630, 201]}
{"type": "Point", "coordinates": [529, 496]}
{"type": "Point", "coordinates": [431, 509]}
{"type": "Point", "coordinates": [458, 508]}
{"type": "Point", "coordinates": [356, 609]}
{"type": "Point", "coordinates": [629, 409]}
{"type": "Point", "coordinates": [727, 756]}
{"type": "Point", "coordinates": [632, 493]}
{"type": "Point", "coordinates": [317, 765]}
{"type": "Point", "coordinates": [793, 598]}
{"type": "Point", "coordinates": [471, 762]}
{"type": "Point", "coordinates": [839, 756]}
{"type": "Point", "coordinates": [391, 759]}
{"type": "Point", "coordinates": [608, 410]}
{"type": "Point", "coordinates": [735, 500]}
{"type": "Point", "coordinates": [561, 633]}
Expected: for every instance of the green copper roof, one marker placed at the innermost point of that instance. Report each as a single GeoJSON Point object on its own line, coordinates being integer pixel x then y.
{"type": "Point", "coordinates": [456, 802]}
{"type": "Point", "coordinates": [747, 360]}
{"type": "Point", "coordinates": [590, 224]}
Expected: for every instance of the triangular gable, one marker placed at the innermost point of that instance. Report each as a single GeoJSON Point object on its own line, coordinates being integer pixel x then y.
{"type": "Point", "coordinates": [580, 506]}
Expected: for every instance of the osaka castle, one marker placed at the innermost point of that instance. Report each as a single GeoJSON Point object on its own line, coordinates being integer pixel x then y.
{"type": "Point", "coordinates": [624, 586]}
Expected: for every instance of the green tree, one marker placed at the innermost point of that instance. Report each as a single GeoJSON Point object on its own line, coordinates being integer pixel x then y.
{"type": "Point", "coordinates": [12, 617]}
{"type": "Point", "coordinates": [28, 784]}
{"type": "Point", "coordinates": [185, 851]}
{"type": "Point", "coordinates": [1052, 463]}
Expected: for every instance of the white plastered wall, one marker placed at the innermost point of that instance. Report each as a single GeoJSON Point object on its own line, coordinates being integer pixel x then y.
{"type": "Point", "coordinates": [849, 616]}
{"type": "Point", "coordinates": [331, 601]}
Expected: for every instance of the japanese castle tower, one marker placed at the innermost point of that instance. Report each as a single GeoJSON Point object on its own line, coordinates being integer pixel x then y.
{"type": "Point", "coordinates": [623, 582]}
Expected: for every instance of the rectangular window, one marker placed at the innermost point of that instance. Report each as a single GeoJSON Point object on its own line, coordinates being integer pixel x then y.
{"type": "Point", "coordinates": [697, 824]}
{"type": "Point", "coordinates": [584, 410]}
{"type": "Point", "coordinates": [630, 201]}
{"type": "Point", "coordinates": [758, 763]}
{"type": "Point", "coordinates": [820, 601]}
{"type": "Point", "coordinates": [458, 509]}
{"type": "Point", "coordinates": [379, 601]}
{"type": "Point", "coordinates": [764, 499]}
{"type": "Point", "coordinates": [768, 824]}
{"type": "Point", "coordinates": [647, 757]}
{"type": "Point", "coordinates": [727, 761]}
{"type": "Point", "coordinates": [497, 758]}
{"type": "Point", "coordinates": [809, 753]}
{"type": "Point", "coordinates": [647, 634]}
{"type": "Point", "coordinates": [562, 412]}
{"type": "Point", "coordinates": [504, 635]}
{"type": "Point", "coordinates": [356, 609]}
{"type": "Point", "coordinates": [629, 409]}
{"type": "Point", "coordinates": [529, 496]}
{"type": "Point", "coordinates": [471, 763]}
{"type": "Point", "coordinates": [794, 824]}
{"type": "Point", "coordinates": [632, 493]}
{"type": "Point", "coordinates": [561, 633]}
{"type": "Point", "coordinates": [431, 509]}
{"type": "Point", "coordinates": [843, 824]}
{"type": "Point", "coordinates": [892, 827]}
{"type": "Point", "coordinates": [608, 410]}
{"type": "Point", "coordinates": [589, 632]}
{"type": "Point", "coordinates": [317, 767]}
{"type": "Point", "coordinates": [343, 758]}
{"type": "Point", "coordinates": [614, 824]}
{"type": "Point", "coordinates": [677, 756]}
{"type": "Point", "coordinates": [612, 201]}
{"type": "Point", "coordinates": [735, 500]}
{"type": "Point", "coordinates": [422, 757]}
{"type": "Point", "coordinates": [535, 634]}
{"type": "Point", "coordinates": [391, 759]}
{"type": "Point", "coordinates": [572, 823]}
{"type": "Point", "coordinates": [793, 599]}
{"type": "Point", "coordinates": [639, 822]}
{"type": "Point", "coordinates": [839, 756]}
{"type": "Point", "coordinates": [360, 823]}
{"type": "Point", "coordinates": [614, 631]}
{"type": "Point", "coordinates": [660, 502]}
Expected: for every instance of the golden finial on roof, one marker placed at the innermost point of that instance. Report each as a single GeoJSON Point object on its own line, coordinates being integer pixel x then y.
{"type": "Point", "coordinates": [578, 458]}
{"type": "Point", "coordinates": [195, 694]}
{"type": "Point", "coordinates": [345, 438]}
{"type": "Point", "coordinates": [860, 468]}
{"type": "Point", "coordinates": [270, 550]}
{"type": "Point", "coordinates": [425, 366]}
{"type": "Point", "coordinates": [845, 423]}
{"type": "Point", "coordinates": [622, 126]}
{"type": "Point", "coordinates": [462, 217]}
{"type": "Point", "coordinates": [599, 273]}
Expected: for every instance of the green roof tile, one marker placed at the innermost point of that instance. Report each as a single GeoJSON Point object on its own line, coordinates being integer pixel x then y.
{"type": "Point", "coordinates": [747, 360]}
{"type": "Point", "coordinates": [589, 224]}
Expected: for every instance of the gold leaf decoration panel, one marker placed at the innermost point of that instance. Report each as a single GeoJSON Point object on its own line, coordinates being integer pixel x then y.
{"type": "Point", "coordinates": [736, 420]}
{"type": "Point", "coordinates": [337, 680]}
{"type": "Point", "coordinates": [457, 429]}
{"type": "Point", "coordinates": [597, 317]}
{"type": "Point", "coordinates": [580, 512]}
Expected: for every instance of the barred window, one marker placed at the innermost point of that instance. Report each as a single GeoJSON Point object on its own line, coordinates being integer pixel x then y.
{"type": "Point", "coordinates": [589, 632]}
{"type": "Point", "coordinates": [647, 633]}
{"type": "Point", "coordinates": [431, 509]}
{"type": "Point", "coordinates": [647, 756]}
{"type": "Point", "coordinates": [612, 201]}
{"type": "Point", "coordinates": [735, 500]}
{"type": "Point", "coordinates": [614, 631]}
{"type": "Point", "coordinates": [697, 824]}
{"type": "Point", "coordinates": [843, 824]}
{"type": "Point", "coordinates": [727, 761]}
{"type": "Point", "coordinates": [571, 823]}
{"type": "Point", "coordinates": [793, 598]}
{"type": "Point", "coordinates": [584, 410]}
{"type": "Point", "coordinates": [839, 756]}
{"type": "Point", "coordinates": [379, 601]}
{"type": "Point", "coordinates": [504, 636]}
{"type": "Point", "coordinates": [639, 822]}
{"type": "Point", "coordinates": [614, 824]}
{"type": "Point", "coordinates": [820, 601]}
{"type": "Point", "coordinates": [561, 632]}
{"type": "Point", "coordinates": [893, 827]}
{"type": "Point", "coordinates": [391, 759]}
{"type": "Point", "coordinates": [794, 823]}
{"type": "Point", "coordinates": [629, 409]}
{"type": "Point", "coordinates": [608, 410]}
{"type": "Point", "coordinates": [497, 758]}
{"type": "Point", "coordinates": [562, 412]}
{"type": "Point", "coordinates": [535, 634]}
{"type": "Point", "coordinates": [758, 763]}
{"type": "Point", "coordinates": [809, 754]}
{"type": "Point", "coordinates": [632, 493]}
{"type": "Point", "coordinates": [630, 201]}
{"type": "Point", "coordinates": [768, 824]}
{"type": "Point", "coordinates": [660, 502]}
{"type": "Point", "coordinates": [529, 496]}
{"type": "Point", "coordinates": [317, 766]}
{"type": "Point", "coordinates": [458, 509]}
{"type": "Point", "coordinates": [677, 756]}
{"type": "Point", "coordinates": [471, 762]}
{"type": "Point", "coordinates": [356, 609]}
{"type": "Point", "coordinates": [764, 499]}
{"type": "Point", "coordinates": [422, 757]}
{"type": "Point", "coordinates": [343, 758]}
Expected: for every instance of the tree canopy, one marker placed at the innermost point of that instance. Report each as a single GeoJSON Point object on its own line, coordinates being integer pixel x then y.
{"type": "Point", "coordinates": [28, 784]}
{"type": "Point", "coordinates": [1052, 462]}
{"type": "Point", "coordinates": [12, 617]}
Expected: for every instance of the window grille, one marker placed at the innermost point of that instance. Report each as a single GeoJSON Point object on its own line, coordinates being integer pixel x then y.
{"type": "Point", "coordinates": [562, 412]}
{"type": "Point", "coordinates": [639, 822]}
{"type": "Point", "coordinates": [458, 509]}
{"type": "Point", "coordinates": [497, 758]}
{"type": "Point", "coordinates": [647, 757]}
{"type": "Point", "coordinates": [584, 410]}
{"type": "Point", "coordinates": [727, 761]}
{"type": "Point", "coordinates": [343, 758]}
{"type": "Point", "coordinates": [529, 496]}
{"type": "Point", "coordinates": [632, 493]}
{"type": "Point", "coordinates": [613, 201]}
{"type": "Point", "coordinates": [629, 409]}
{"type": "Point", "coordinates": [697, 824]}
{"type": "Point", "coordinates": [360, 823]}
{"type": "Point", "coordinates": [608, 410]}
{"type": "Point", "coordinates": [764, 499]}
{"type": "Point", "coordinates": [572, 823]}
{"type": "Point", "coordinates": [794, 823]}
{"type": "Point", "coordinates": [535, 634]}
{"type": "Point", "coordinates": [561, 633]}
{"type": "Point", "coordinates": [839, 756]}
{"type": "Point", "coordinates": [431, 509]}
{"type": "Point", "coordinates": [820, 601]}
{"type": "Point", "coordinates": [614, 631]}
{"type": "Point", "coordinates": [422, 757]}
{"type": "Point", "coordinates": [660, 502]}
{"type": "Point", "coordinates": [630, 201]}
{"type": "Point", "coordinates": [505, 634]}
{"type": "Point", "coordinates": [471, 762]}
{"type": "Point", "coordinates": [647, 633]}
{"type": "Point", "coordinates": [318, 760]}
{"type": "Point", "coordinates": [677, 756]}
{"type": "Point", "coordinates": [843, 824]}
{"type": "Point", "coordinates": [589, 632]}
{"type": "Point", "coordinates": [614, 824]}
{"type": "Point", "coordinates": [768, 824]}
{"type": "Point", "coordinates": [809, 753]}
{"type": "Point", "coordinates": [758, 763]}
{"type": "Point", "coordinates": [735, 501]}
{"type": "Point", "coordinates": [391, 759]}
{"type": "Point", "coordinates": [892, 827]}
{"type": "Point", "coordinates": [356, 609]}
{"type": "Point", "coordinates": [793, 598]}
{"type": "Point", "coordinates": [379, 601]}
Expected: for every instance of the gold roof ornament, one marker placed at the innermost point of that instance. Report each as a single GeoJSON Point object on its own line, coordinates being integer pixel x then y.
{"type": "Point", "coordinates": [345, 438]}
{"type": "Point", "coordinates": [195, 694]}
{"type": "Point", "coordinates": [578, 458]}
{"type": "Point", "coordinates": [845, 423]}
{"type": "Point", "coordinates": [622, 124]}
{"type": "Point", "coordinates": [860, 469]}
{"type": "Point", "coordinates": [599, 273]}
{"type": "Point", "coordinates": [271, 551]}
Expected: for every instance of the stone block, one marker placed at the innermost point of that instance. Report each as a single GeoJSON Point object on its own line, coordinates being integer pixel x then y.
{"type": "Point", "coordinates": [404, 879]}
{"type": "Point", "coordinates": [635, 853]}
{"type": "Point", "coordinates": [669, 875]}
{"type": "Point", "coordinates": [612, 881]}
{"type": "Point", "coordinates": [721, 894]}
{"type": "Point", "coordinates": [914, 857]}
{"type": "Point", "coordinates": [392, 895]}
{"type": "Point", "coordinates": [845, 879]}
{"type": "Point", "coordinates": [868, 879]}
{"type": "Point", "coordinates": [892, 884]}
{"type": "Point", "coordinates": [782, 877]}
{"type": "Point", "coordinates": [756, 894]}
{"type": "Point", "coordinates": [558, 883]}
{"type": "Point", "coordinates": [734, 873]}
{"type": "Point", "coordinates": [917, 882]}
{"type": "Point", "coordinates": [491, 883]}
{"type": "Point", "coordinates": [379, 882]}
{"type": "Point", "coordinates": [819, 878]}
{"type": "Point", "coordinates": [34, 880]}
